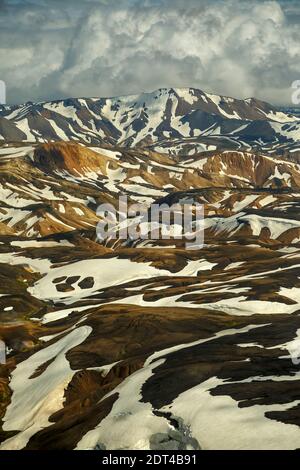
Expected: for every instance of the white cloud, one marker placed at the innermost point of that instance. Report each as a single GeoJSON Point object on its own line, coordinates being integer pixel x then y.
{"type": "Point", "coordinates": [235, 47]}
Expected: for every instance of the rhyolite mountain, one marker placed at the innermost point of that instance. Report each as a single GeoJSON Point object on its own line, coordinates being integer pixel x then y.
{"type": "Point", "coordinates": [141, 343]}
{"type": "Point", "coordinates": [144, 344]}
{"type": "Point", "coordinates": [169, 120]}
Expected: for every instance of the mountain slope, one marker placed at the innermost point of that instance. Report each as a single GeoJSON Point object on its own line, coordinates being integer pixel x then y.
{"type": "Point", "coordinates": [56, 187]}
{"type": "Point", "coordinates": [187, 349]}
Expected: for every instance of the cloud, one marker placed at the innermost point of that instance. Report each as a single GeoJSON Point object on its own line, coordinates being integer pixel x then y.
{"type": "Point", "coordinates": [58, 49]}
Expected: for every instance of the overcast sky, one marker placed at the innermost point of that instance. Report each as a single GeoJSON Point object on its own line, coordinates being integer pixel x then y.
{"type": "Point", "coordinates": [52, 49]}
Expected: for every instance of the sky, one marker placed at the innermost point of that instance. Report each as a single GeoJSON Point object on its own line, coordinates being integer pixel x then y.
{"type": "Point", "coordinates": [53, 49]}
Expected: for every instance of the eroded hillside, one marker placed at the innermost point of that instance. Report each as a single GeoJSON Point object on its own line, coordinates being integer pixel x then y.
{"type": "Point", "coordinates": [186, 348]}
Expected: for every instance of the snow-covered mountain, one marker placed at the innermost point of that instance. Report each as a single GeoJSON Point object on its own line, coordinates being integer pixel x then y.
{"type": "Point", "coordinates": [174, 120]}
{"type": "Point", "coordinates": [187, 349]}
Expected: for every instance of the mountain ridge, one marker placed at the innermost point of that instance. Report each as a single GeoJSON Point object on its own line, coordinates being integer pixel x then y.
{"type": "Point", "coordinates": [129, 95]}
{"type": "Point", "coordinates": [179, 121]}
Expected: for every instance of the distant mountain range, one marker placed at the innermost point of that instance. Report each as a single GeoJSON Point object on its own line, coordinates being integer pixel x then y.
{"type": "Point", "coordinates": [180, 121]}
